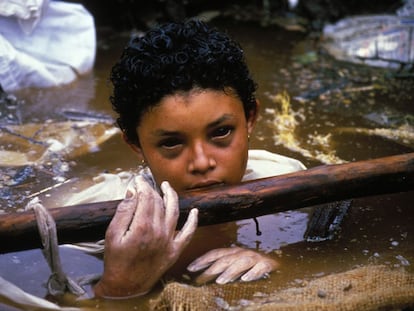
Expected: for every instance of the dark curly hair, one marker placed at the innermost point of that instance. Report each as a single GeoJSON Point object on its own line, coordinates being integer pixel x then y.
{"type": "Point", "coordinates": [172, 58]}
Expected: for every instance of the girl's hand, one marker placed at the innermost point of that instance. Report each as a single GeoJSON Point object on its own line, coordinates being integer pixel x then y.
{"type": "Point", "coordinates": [231, 263]}
{"type": "Point", "coordinates": [141, 242]}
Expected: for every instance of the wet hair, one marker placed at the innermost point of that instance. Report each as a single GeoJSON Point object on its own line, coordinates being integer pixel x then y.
{"type": "Point", "coordinates": [173, 58]}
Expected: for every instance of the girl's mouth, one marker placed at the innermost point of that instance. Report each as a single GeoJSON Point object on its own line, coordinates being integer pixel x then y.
{"type": "Point", "coordinates": [205, 184]}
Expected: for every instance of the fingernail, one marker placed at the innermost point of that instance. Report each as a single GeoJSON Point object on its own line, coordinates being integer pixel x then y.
{"type": "Point", "coordinates": [129, 194]}
{"type": "Point", "coordinates": [221, 280]}
{"type": "Point", "coordinates": [164, 186]}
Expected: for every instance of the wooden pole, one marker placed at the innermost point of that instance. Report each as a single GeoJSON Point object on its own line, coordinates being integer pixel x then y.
{"type": "Point", "coordinates": [322, 184]}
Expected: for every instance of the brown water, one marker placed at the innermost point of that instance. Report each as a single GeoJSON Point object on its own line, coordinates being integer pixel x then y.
{"type": "Point", "coordinates": [375, 230]}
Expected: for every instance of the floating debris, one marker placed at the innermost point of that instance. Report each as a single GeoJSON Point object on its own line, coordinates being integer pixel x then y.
{"type": "Point", "coordinates": [339, 88]}
{"type": "Point", "coordinates": [49, 188]}
{"type": "Point", "coordinates": [325, 221]}
{"type": "Point", "coordinates": [306, 58]}
{"type": "Point", "coordinates": [403, 261]}
{"type": "Point", "coordinates": [9, 108]}
{"type": "Point", "coordinates": [403, 135]}
{"type": "Point", "coordinates": [33, 143]}
{"type": "Point", "coordinates": [379, 40]}
{"type": "Point", "coordinates": [76, 115]}
{"type": "Point", "coordinates": [22, 176]}
{"type": "Point", "coordinates": [390, 118]}
{"type": "Point", "coordinates": [284, 125]}
{"type": "Point", "coordinates": [34, 156]}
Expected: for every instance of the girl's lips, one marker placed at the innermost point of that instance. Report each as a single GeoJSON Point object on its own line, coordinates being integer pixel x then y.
{"type": "Point", "coordinates": [205, 184]}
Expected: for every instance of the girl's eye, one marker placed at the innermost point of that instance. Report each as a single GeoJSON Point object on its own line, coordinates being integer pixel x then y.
{"type": "Point", "coordinates": [170, 143]}
{"type": "Point", "coordinates": [222, 132]}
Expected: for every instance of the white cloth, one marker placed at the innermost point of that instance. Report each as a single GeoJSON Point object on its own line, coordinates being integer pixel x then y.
{"type": "Point", "coordinates": [262, 163]}
{"type": "Point", "coordinates": [44, 45]}
{"type": "Point", "coordinates": [27, 12]}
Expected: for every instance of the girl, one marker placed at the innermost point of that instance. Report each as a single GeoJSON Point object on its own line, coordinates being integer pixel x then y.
{"type": "Point", "coordinates": [186, 105]}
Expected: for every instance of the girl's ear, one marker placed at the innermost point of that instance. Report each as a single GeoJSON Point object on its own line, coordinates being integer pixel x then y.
{"type": "Point", "coordinates": [134, 147]}
{"type": "Point", "coordinates": [252, 118]}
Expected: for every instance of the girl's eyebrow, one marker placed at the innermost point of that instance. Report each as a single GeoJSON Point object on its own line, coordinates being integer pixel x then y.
{"type": "Point", "coordinates": [161, 132]}
{"type": "Point", "coordinates": [224, 118]}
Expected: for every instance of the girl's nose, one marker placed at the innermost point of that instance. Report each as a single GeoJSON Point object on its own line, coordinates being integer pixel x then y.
{"type": "Point", "coordinates": [200, 162]}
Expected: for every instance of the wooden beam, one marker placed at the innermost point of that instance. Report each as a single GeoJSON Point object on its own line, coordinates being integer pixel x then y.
{"type": "Point", "coordinates": [322, 184]}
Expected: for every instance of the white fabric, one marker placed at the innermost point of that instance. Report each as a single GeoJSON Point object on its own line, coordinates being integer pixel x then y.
{"type": "Point", "coordinates": [263, 164]}
{"type": "Point", "coordinates": [27, 12]}
{"type": "Point", "coordinates": [107, 187]}
{"type": "Point", "coordinates": [49, 48]}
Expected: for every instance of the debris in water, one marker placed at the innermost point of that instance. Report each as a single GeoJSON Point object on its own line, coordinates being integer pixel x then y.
{"type": "Point", "coordinates": [49, 188]}
{"type": "Point", "coordinates": [34, 143]}
{"type": "Point", "coordinates": [75, 115]}
{"type": "Point", "coordinates": [22, 176]}
{"type": "Point", "coordinates": [284, 125]}
{"type": "Point", "coordinates": [404, 135]}
{"type": "Point", "coordinates": [9, 108]}
{"type": "Point", "coordinates": [33, 155]}
{"type": "Point", "coordinates": [375, 40]}
{"type": "Point", "coordinates": [325, 221]}
{"type": "Point", "coordinates": [402, 260]}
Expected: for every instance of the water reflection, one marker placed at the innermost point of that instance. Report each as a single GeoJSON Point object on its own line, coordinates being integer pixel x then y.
{"type": "Point", "coordinates": [276, 231]}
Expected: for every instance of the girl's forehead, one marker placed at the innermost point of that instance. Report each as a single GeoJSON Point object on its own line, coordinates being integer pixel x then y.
{"type": "Point", "coordinates": [193, 109]}
{"type": "Point", "coordinates": [197, 104]}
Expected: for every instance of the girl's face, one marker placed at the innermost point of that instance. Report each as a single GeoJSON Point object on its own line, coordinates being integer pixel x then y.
{"type": "Point", "coordinates": [196, 139]}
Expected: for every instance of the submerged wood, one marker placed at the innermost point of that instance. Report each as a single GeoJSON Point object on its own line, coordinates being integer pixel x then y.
{"type": "Point", "coordinates": [325, 221]}
{"type": "Point", "coordinates": [322, 184]}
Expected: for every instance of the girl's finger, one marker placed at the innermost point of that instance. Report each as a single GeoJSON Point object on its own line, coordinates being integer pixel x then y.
{"type": "Point", "coordinates": [239, 266]}
{"type": "Point", "coordinates": [170, 198]}
{"type": "Point", "coordinates": [207, 259]}
{"type": "Point", "coordinates": [216, 268]}
{"type": "Point", "coordinates": [184, 236]}
{"type": "Point", "coordinates": [260, 270]}
{"type": "Point", "coordinates": [123, 216]}
{"type": "Point", "coordinates": [145, 205]}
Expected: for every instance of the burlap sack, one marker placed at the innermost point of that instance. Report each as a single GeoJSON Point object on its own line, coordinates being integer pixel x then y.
{"type": "Point", "coordinates": [366, 288]}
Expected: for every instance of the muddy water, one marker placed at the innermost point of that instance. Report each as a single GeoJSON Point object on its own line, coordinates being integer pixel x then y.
{"type": "Point", "coordinates": [328, 100]}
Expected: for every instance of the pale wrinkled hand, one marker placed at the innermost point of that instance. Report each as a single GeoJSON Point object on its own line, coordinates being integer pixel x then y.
{"type": "Point", "coordinates": [141, 242]}
{"type": "Point", "coordinates": [229, 264]}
